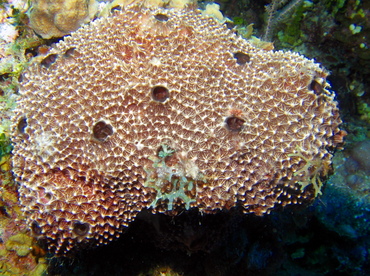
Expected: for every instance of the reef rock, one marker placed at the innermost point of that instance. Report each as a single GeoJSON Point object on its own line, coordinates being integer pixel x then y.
{"type": "Point", "coordinates": [165, 109]}
{"type": "Point", "coordinates": [60, 17]}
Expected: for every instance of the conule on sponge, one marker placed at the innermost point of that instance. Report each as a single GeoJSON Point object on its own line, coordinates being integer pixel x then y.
{"type": "Point", "coordinates": [165, 109]}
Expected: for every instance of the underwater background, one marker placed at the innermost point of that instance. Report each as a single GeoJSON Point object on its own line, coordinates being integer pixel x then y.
{"type": "Point", "coordinates": [330, 237]}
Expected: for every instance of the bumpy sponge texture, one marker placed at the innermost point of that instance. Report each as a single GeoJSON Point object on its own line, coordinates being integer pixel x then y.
{"type": "Point", "coordinates": [147, 104]}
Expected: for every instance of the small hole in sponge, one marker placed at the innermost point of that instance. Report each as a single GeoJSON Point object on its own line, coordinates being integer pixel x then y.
{"type": "Point", "coordinates": [35, 228]}
{"type": "Point", "coordinates": [241, 58]}
{"type": "Point", "coordinates": [49, 60]}
{"type": "Point", "coordinates": [234, 124]}
{"type": "Point", "coordinates": [20, 78]}
{"type": "Point", "coordinates": [161, 17]}
{"type": "Point", "coordinates": [115, 8]}
{"type": "Point", "coordinates": [80, 228]}
{"type": "Point", "coordinates": [101, 131]}
{"type": "Point", "coordinates": [22, 124]}
{"type": "Point", "coordinates": [68, 53]}
{"type": "Point", "coordinates": [316, 87]}
{"type": "Point", "coordinates": [160, 94]}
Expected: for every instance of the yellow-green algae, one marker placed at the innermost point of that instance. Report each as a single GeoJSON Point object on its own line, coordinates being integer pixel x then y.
{"type": "Point", "coordinates": [20, 243]}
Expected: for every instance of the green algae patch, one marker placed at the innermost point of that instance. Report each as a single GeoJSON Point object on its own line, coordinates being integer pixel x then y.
{"type": "Point", "coordinates": [39, 269]}
{"type": "Point", "coordinates": [173, 178]}
{"type": "Point", "coordinates": [20, 243]}
{"type": "Point", "coordinates": [3, 252]}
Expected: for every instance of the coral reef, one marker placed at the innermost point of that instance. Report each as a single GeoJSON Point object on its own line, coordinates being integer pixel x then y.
{"type": "Point", "coordinates": [335, 33]}
{"type": "Point", "coordinates": [344, 209]}
{"type": "Point", "coordinates": [277, 11]}
{"type": "Point", "coordinates": [346, 200]}
{"type": "Point", "coordinates": [58, 18]}
{"type": "Point", "coordinates": [328, 238]}
{"type": "Point", "coordinates": [12, 19]}
{"type": "Point", "coordinates": [19, 253]}
{"type": "Point", "coordinates": [150, 102]}
{"type": "Point", "coordinates": [14, 58]}
{"type": "Point", "coordinates": [17, 246]}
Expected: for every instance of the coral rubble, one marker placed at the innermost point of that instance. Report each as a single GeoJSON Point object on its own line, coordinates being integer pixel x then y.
{"type": "Point", "coordinates": [169, 109]}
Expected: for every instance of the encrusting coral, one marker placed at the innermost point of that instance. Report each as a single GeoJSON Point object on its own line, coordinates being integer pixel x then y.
{"type": "Point", "coordinates": [169, 109]}
{"type": "Point", "coordinates": [60, 17]}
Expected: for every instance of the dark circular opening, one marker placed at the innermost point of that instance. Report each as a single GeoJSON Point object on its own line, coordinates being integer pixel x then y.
{"type": "Point", "coordinates": [101, 131]}
{"type": "Point", "coordinates": [234, 123]}
{"type": "Point", "coordinates": [161, 17]}
{"type": "Point", "coordinates": [160, 94]}
{"type": "Point", "coordinates": [115, 8]}
{"type": "Point", "coordinates": [49, 60]}
{"type": "Point", "coordinates": [35, 228]}
{"type": "Point", "coordinates": [241, 58]}
{"type": "Point", "coordinates": [68, 53]}
{"type": "Point", "coordinates": [20, 78]}
{"type": "Point", "coordinates": [80, 229]}
{"type": "Point", "coordinates": [48, 196]}
{"type": "Point", "coordinates": [22, 124]}
{"type": "Point", "coordinates": [316, 87]}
